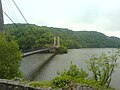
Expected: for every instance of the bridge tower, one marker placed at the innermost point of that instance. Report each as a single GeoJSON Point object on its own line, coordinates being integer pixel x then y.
{"type": "Point", "coordinates": [1, 18]}
{"type": "Point", "coordinates": [56, 42]}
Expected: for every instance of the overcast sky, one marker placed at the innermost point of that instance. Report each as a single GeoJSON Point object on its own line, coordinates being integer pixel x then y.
{"type": "Point", "coordinates": [91, 15]}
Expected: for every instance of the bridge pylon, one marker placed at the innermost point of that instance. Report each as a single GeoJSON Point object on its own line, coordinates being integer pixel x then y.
{"type": "Point", "coordinates": [1, 18]}
{"type": "Point", "coordinates": [56, 43]}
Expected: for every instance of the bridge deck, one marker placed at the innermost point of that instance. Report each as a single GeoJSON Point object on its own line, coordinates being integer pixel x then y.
{"type": "Point", "coordinates": [34, 52]}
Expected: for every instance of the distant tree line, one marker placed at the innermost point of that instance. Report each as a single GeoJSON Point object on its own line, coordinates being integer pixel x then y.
{"type": "Point", "coordinates": [31, 37]}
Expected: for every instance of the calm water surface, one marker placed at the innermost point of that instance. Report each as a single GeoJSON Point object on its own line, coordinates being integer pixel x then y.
{"type": "Point", "coordinates": [78, 57]}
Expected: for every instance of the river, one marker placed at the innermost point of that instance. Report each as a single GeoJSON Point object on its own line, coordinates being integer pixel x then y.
{"type": "Point", "coordinates": [76, 56]}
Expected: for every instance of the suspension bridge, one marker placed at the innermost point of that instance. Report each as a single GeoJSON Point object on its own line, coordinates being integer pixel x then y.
{"type": "Point", "coordinates": [56, 43]}
{"type": "Point", "coordinates": [54, 47]}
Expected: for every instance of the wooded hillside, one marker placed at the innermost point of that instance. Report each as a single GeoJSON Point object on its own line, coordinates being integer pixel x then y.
{"type": "Point", "coordinates": [31, 36]}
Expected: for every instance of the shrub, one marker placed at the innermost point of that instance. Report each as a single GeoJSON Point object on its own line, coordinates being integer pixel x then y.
{"type": "Point", "coordinates": [103, 67]}
{"type": "Point", "coordinates": [42, 84]}
{"type": "Point", "coordinates": [10, 59]}
{"type": "Point", "coordinates": [69, 76]}
{"type": "Point", "coordinates": [62, 49]}
{"type": "Point", "coordinates": [75, 72]}
{"type": "Point", "coordinates": [61, 81]}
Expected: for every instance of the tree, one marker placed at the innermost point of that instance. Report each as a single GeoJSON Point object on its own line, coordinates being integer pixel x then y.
{"type": "Point", "coordinates": [67, 78]}
{"type": "Point", "coordinates": [10, 58]}
{"type": "Point", "coordinates": [42, 37]}
{"type": "Point", "coordinates": [103, 67]}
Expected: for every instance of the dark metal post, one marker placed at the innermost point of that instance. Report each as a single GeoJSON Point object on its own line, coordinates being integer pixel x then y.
{"type": "Point", "coordinates": [1, 18]}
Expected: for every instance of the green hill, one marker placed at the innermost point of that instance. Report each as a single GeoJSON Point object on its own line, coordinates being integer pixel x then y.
{"type": "Point", "coordinates": [31, 36]}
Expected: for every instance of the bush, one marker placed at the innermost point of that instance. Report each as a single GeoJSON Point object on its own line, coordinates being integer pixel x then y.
{"type": "Point", "coordinates": [61, 81]}
{"type": "Point", "coordinates": [74, 76]}
{"type": "Point", "coordinates": [69, 76]}
{"type": "Point", "coordinates": [103, 67]}
{"type": "Point", "coordinates": [73, 71]}
{"type": "Point", "coordinates": [62, 49]}
{"type": "Point", "coordinates": [88, 82]}
{"type": "Point", "coordinates": [42, 84]}
{"type": "Point", "coordinates": [10, 59]}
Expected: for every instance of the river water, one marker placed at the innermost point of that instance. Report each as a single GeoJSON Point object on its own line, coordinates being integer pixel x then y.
{"type": "Point", "coordinates": [76, 56]}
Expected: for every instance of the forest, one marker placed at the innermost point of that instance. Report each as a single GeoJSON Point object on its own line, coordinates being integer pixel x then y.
{"type": "Point", "coordinates": [30, 37]}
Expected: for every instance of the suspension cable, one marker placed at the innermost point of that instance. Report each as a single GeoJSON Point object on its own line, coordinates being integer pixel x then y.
{"type": "Point", "coordinates": [19, 10]}
{"type": "Point", "coordinates": [15, 24]}
{"type": "Point", "coordinates": [10, 7]}
{"type": "Point", "coordinates": [12, 11]}
{"type": "Point", "coordinates": [23, 16]}
{"type": "Point", "coordinates": [19, 28]}
{"type": "Point", "coordinates": [8, 17]}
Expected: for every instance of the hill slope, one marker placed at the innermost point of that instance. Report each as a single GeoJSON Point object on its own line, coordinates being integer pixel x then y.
{"type": "Point", "coordinates": [32, 36]}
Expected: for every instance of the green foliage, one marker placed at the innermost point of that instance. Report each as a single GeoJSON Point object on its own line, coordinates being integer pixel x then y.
{"type": "Point", "coordinates": [42, 37]}
{"type": "Point", "coordinates": [10, 58]}
{"type": "Point", "coordinates": [62, 49]}
{"type": "Point", "coordinates": [42, 84]}
{"type": "Point", "coordinates": [88, 82]}
{"type": "Point", "coordinates": [69, 76]}
{"type": "Point", "coordinates": [29, 39]}
{"type": "Point", "coordinates": [73, 71]}
{"type": "Point", "coordinates": [92, 83]}
{"type": "Point", "coordinates": [74, 76]}
{"type": "Point", "coordinates": [103, 67]}
{"type": "Point", "coordinates": [61, 81]}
